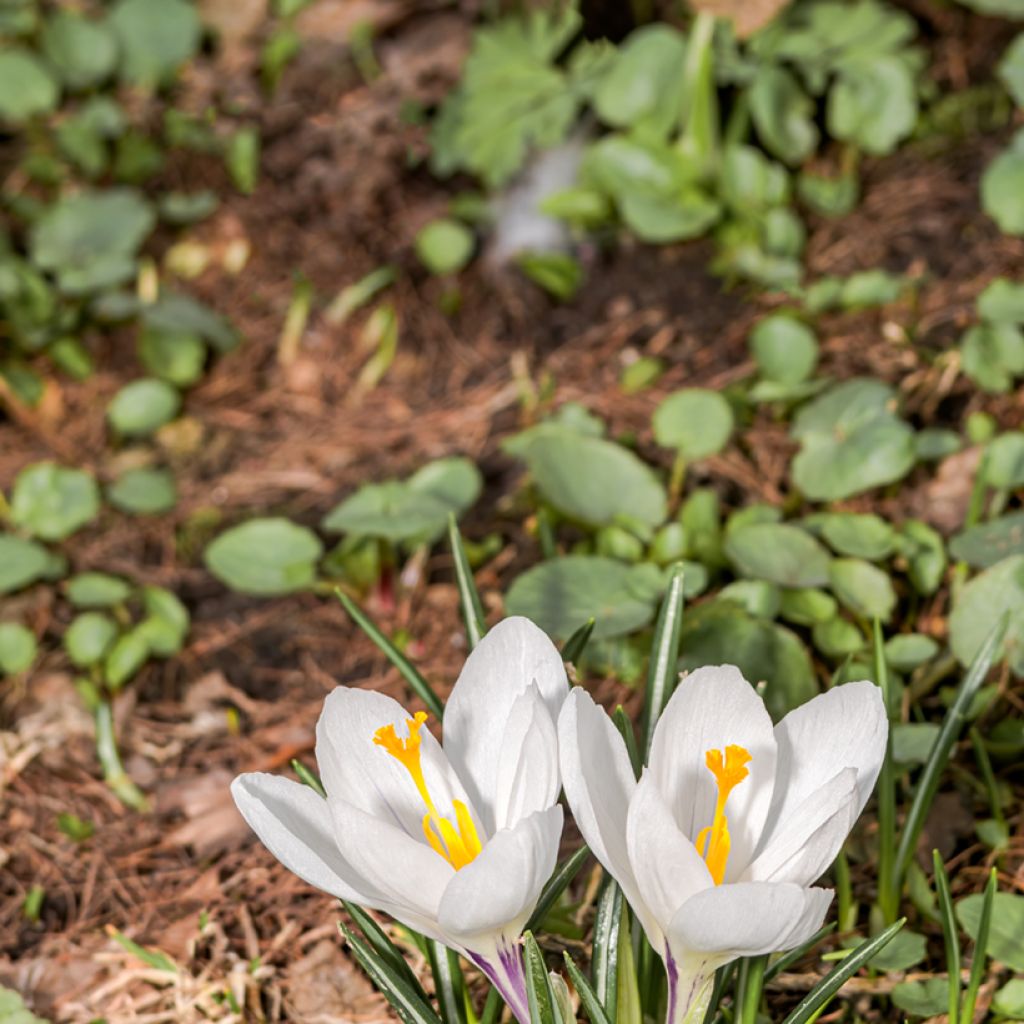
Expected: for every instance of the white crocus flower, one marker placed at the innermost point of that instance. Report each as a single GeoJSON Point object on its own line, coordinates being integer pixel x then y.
{"type": "Point", "coordinates": [454, 841]}
{"type": "Point", "coordinates": [716, 847]}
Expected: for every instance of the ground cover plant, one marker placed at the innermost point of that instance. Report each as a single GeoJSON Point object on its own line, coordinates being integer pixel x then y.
{"type": "Point", "coordinates": [336, 340]}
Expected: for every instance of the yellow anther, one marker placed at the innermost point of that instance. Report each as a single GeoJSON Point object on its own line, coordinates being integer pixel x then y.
{"type": "Point", "coordinates": [729, 770]}
{"type": "Point", "coordinates": [458, 845]}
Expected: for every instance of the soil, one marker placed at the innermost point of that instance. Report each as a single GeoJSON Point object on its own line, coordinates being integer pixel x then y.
{"type": "Point", "coordinates": [343, 190]}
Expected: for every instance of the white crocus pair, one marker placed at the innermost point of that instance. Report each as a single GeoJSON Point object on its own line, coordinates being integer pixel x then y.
{"type": "Point", "coordinates": [457, 841]}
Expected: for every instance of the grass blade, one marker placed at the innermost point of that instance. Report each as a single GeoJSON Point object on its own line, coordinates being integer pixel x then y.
{"type": "Point", "coordinates": [663, 670]}
{"type": "Point", "coordinates": [980, 950]}
{"type": "Point", "coordinates": [576, 644]}
{"type": "Point", "coordinates": [308, 777]}
{"type": "Point", "coordinates": [787, 960]}
{"type": "Point", "coordinates": [399, 993]}
{"type": "Point", "coordinates": [556, 885]}
{"type": "Point", "coordinates": [539, 996]}
{"type": "Point", "coordinates": [950, 935]}
{"type": "Point", "coordinates": [382, 945]}
{"type": "Point", "coordinates": [492, 1007]}
{"type": "Point", "coordinates": [469, 597]}
{"type": "Point", "coordinates": [604, 964]}
{"type": "Point", "coordinates": [408, 670]}
{"type": "Point", "coordinates": [952, 725]}
{"type": "Point", "coordinates": [588, 997]}
{"type": "Point", "coordinates": [449, 984]}
{"type": "Point", "coordinates": [751, 987]}
{"type": "Point", "coordinates": [624, 724]}
{"type": "Point", "coordinates": [888, 895]}
{"type": "Point", "coordinates": [815, 1001]}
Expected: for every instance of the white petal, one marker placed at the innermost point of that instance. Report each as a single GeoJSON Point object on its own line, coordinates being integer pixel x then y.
{"type": "Point", "coordinates": [355, 769]}
{"type": "Point", "coordinates": [748, 919]}
{"type": "Point", "coordinates": [666, 865]}
{"type": "Point", "coordinates": [712, 708]}
{"type": "Point", "coordinates": [599, 785]}
{"type": "Point", "coordinates": [511, 656]}
{"type": "Point", "coordinates": [496, 893]}
{"type": "Point", "coordinates": [804, 845]}
{"type": "Point", "coordinates": [528, 779]}
{"type": "Point", "coordinates": [409, 876]}
{"type": "Point", "coordinates": [845, 727]}
{"type": "Point", "coordinates": [294, 824]}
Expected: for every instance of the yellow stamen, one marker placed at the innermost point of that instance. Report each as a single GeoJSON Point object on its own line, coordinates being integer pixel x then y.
{"type": "Point", "coordinates": [458, 845]}
{"type": "Point", "coordinates": [729, 770]}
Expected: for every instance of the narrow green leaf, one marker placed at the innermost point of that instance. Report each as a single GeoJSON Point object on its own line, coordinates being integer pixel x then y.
{"type": "Point", "coordinates": [888, 896]}
{"type": "Point", "coordinates": [393, 986]}
{"type": "Point", "coordinates": [382, 945]}
{"type": "Point", "coordinates": [980, 949]}
{"type": "Point", "coordinates": [815, 1001]}
{"type": "Point", "coordinates": [784, 962]}
{"type": "Point", "coordinates": [449, 985]}
{"type": "Point", "coordinates": [576, 644]}
{"type": "Point", "coordinates": [950, 935]}
{"type": "Point", "coordinates": [604, 964]}
{"type": "Point", "coordinates": [928, 783]}
{"type": "Point", "coordinates": [308, 777]}
{"type": "Point", "coordinates": [538, 989]}
{"type": "Point", "coordinates": [469, 598]}
{"type": "Point", "coordinates": [588, 997]}
{"type": "Point", "coordinates": [751, 987]}
{"type": "Point", "coordinates": [154, 958]}
{"type": "Point", "coordinates": [408, 670]}
{"type": "Point", "coordinates": [663, 671]}
{"type": "Point", "coordinates": [624, 724]}
{"type": "Point", "coordinates": [556, 885]}
{"type": "Point", "coordinates": [492, 1007]}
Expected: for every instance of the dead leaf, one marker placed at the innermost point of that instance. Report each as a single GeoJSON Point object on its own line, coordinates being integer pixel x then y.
{"type": "Point", "coordinates": [326, 987]}
{"type": "Point", "coordinates": [747, 16]}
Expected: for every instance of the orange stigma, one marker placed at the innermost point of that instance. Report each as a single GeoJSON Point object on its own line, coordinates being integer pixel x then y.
{"type": "Point", "coordinates": [729, 770]}
{"type": "Point", "coordinates": [458, 844]}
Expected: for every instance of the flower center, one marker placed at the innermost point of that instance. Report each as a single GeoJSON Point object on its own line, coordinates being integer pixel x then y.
{"type": "Point", "coordinates": [729, 770]}
{"type": "Point", "coordinates": [457, 843]}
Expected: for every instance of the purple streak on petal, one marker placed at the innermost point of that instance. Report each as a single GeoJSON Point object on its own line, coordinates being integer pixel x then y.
{"type": "Point", "coordinates": [672, 969]}
{"type": "Point", "coordinates": [507, 976]}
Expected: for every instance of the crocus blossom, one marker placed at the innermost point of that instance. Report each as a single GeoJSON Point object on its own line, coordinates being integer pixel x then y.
{"type": "Point", "coordinates": [455, 841]}
{"type": "Point", "coordinates": [716, 847]}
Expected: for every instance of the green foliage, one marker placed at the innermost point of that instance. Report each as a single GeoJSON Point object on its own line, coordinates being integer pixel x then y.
{"type": "Point", "coordinates": [444, 246]}
{"type": "Point", "coordinates": [1006, 938]}
{"type": "Point", "coordinates": [97, 590]}
{"type": "Point", "coordinates": [784, 348]}
{"type": "Point", "coordinates": [52, 502]}
{"type": "Point", "coordinates": [144, 492]}
{"type": "Point", "coordinates": [695, 422]}
{"type": "Point", "coordinates": [265, 557]}
{"type": "Point", "coordinates": [1002, 188]}
{"type": "Point", "coordinates": [21, 562]}
{"type": "Point", "coordinates": [992, 592]}
{"type": "Point", "coordinates": [142, 407]}
{"type": "Point", "coordinates": [27, 89]}
{"type": "Point", "coordinates": [781, 554]}
{"type": "Point", "coordinates": [14, 1011]}
{"type": "Point", "coordinates": [156, 37]}
{"type": "Point", "coordinates": [987, 543]}
{"type": "Point", "coordinates": [413, 511]}
{"type": "Point", "coordinates": [17, 648]}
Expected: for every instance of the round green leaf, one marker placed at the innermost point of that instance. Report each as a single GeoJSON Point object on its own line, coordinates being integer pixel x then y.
{"type": "Point", "coordinates": [26, 87]}
{"type": "Point", "coordinates": [863, 588]}
{"type": "Point", "coordinates": [82, 51]}
{"type": "Point", "coordinates": [784, 348]}
{"type": "Point", "coordinates": [759, 598]}
{"type": "Point", "coordinates": [156, 36]}
{"type": "Point", "coordinates": [721, 632]}
{"type": "Point", "coordinates": [1002, 301]}
{"type": "Point", "coordinates": [593, 480]}
{"type": "Point", "coordinates": [837, 638]}
{"type": "Point", "coordinates": [181, 314]}
{"type": "Point", "coordinates": [781, 554]}
{"type": "Point", "coordinates": [17, 648]}
{"type": "Point", "coordinates": [1011, 70]}
{"type": "Point", "coordinates": [934, 443]}
{"type": "Point", "coordinates": [144, 492]}
{"type": "Point", "coordinates": [807, 606]}
{"type": "Point", "coordinates": [177, 357]}
{"type": "Point", "coordinates": [52, 502]}
{"type": "Point", "coordinates": [389, 510]}
{"type": "Point", "coordinates": [906, 651]}
{"type": "Point", "coordinates": [444, 246]}
{"type": "Point", "coordinates": [142, 407]}
{"type": "Point", "coordinates": [455, 481]}
{"type": "Point", "coordinates": [926, 555]}
{"type": "Point", "coordinates": [88, 638]}
{"type": "Point", "coordinates": [783, 114]}
{"type": "Point", "coordinates": [265, 557]}
{"type": "Point", "coordinates": [561, 595]}
{"type": "Point", "coordinates": [1004, 460]}
{"type": "Point", "coordinates": [694, 421]}
{"type": "Point", "coordinates": [1009, 1000]}
{"type": "Point", "coordinates": [858, 535]}
{"type": "Point", "coordinates": [992, 355]}
{"type": "Point", "coordinates": [1006, 931]}
{"type": "Point", "coordinates": [167, 607]}
{"type": "Point", "coordinates": [1002, 191]}
{"type": "Point", "coordinates": [90, 240]}
{"type": "Point", "coordinates": [926, 998]}
{"type": "Point", "coordinates": [97, 590]}
{"type": "Point", "coordinates": [912, 742]}
{"type": "Point", "coordinates": [873, 103]}
{"type": "Point", "coordinates": [128, 654]}
{"type": "Point", "coordinates": [990, 542]}
{"type": "Point", "coordinates": [21, 562]}
{"type": "Point", "coordinates": [982, 601]}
